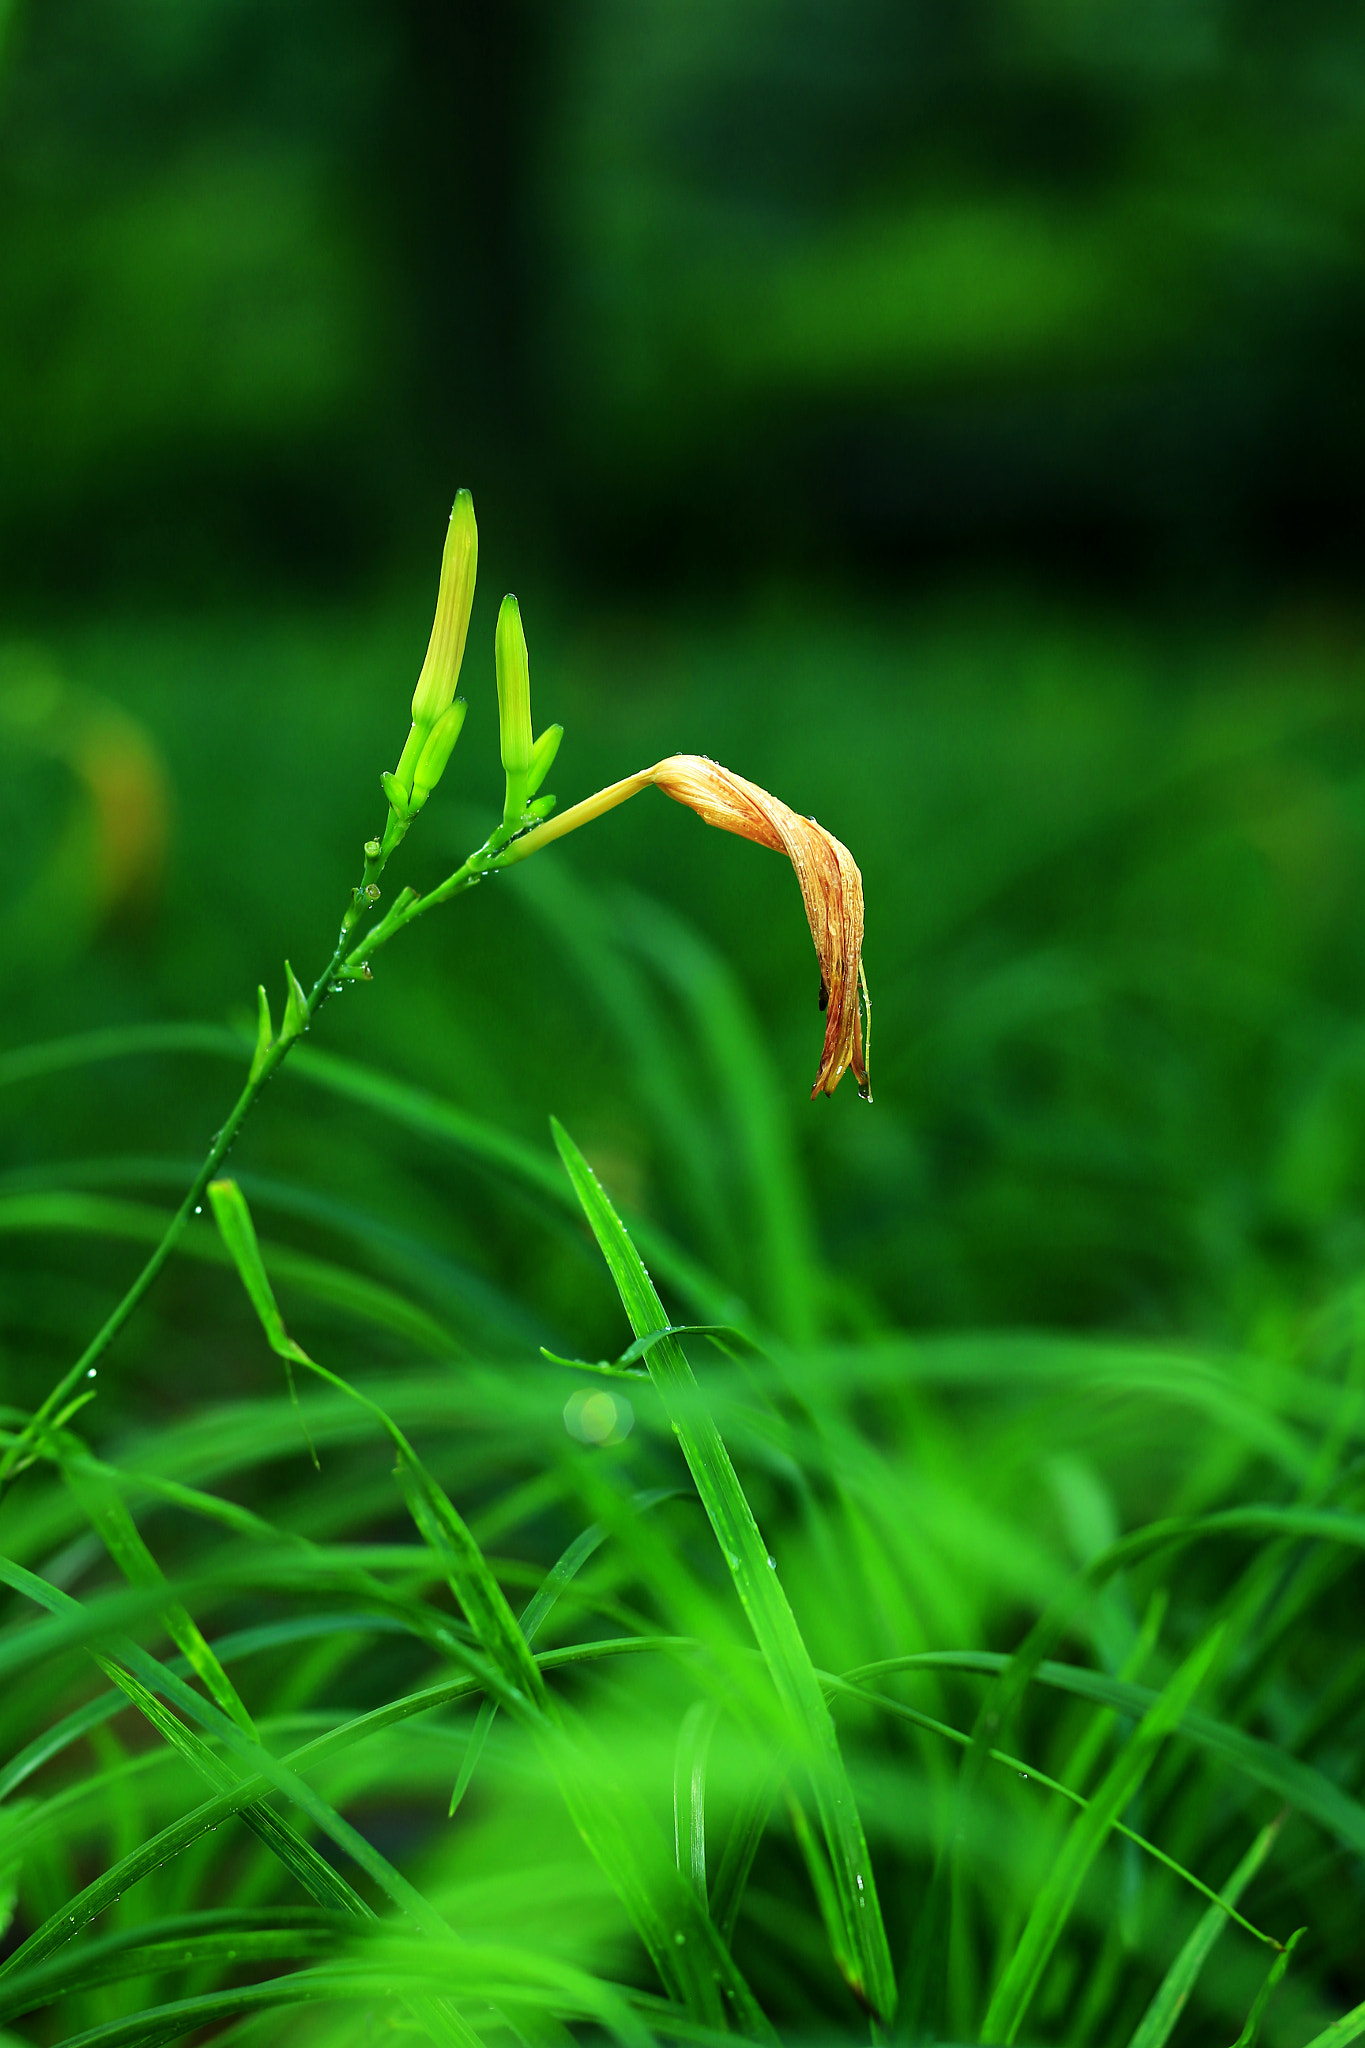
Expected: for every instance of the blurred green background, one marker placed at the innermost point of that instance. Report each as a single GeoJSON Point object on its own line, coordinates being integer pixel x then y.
{"type": "Point", "coordinates": [947, 417]}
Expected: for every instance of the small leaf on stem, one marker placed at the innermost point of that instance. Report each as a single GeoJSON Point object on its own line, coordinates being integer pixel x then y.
{"type": "Point", "coordinates": [265, 1033]}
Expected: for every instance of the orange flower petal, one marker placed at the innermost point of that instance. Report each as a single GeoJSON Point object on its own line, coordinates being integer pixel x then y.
{"type": "Point", "coordinates": [831, 886]}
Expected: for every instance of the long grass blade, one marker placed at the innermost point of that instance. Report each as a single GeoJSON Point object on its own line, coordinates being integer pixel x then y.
{"type": "Point", "coordinates": [689, 1793]}
{"type": "Point", "coordinates": [178, 1835]}
{"type": "Point", "coordinates": [322, 1279]}
{"type": "Point", "coordinates": [123, 1540]}
{"type": "Point", "coordinates": [1155, 2027]}
{"type": "Point", "coordinates": [746, 1832]}
{"type": "Point", "coordinates": [760, 1592]}
{"type": "Point", "coordinates": [1293, 1782]}
{"type": "Point", "coordinates": [1342, 2032]}
{"type": "Point", "coordinates": [1052, 1907]}
{"type": "Point", "coordinates": [682, 1943]}
{"type": "Point", "coordinates": [1266, 1992]}
{"type": "Point", "coordinates": [231, 1934]}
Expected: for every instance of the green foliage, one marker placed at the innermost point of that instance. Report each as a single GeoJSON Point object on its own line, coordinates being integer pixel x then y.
{"type": "Point", "coordinates": [288, 1744]}
{"type": "Point", "coordinates": [457, 1697]}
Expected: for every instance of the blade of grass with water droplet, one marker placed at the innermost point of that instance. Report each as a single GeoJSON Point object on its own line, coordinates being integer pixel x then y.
{"type": "Point", "coordinates": [760, 1592]}
{"type": "Point", "coordinates": [693, 1964]}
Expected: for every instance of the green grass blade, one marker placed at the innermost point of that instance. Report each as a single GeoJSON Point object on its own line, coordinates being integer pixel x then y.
{"type": "Point", "coordinates": [1264, 1995]}
{"type": "Point", "coordinates": [1172, 1994]}
{"type": "Point", "coordinates": [133, 1041]}
{"type": "Point", "coordinates": [238, 1233]}
{"type": "Point", "coordinates": [753, 1113]}
{"type": "Point", "coordinates": [119, 1533]}
{"type": "Point", "coordinates": [1292, 1781]}
{"type": "Point", "coordinates": [235, 1935]}
{"type": "Point", "coordinates": [313, 1871]}
{"type": "Point", "coordinates": [433, 1117]}
{"type": "Point", "coordinates": [143, 1678]}
{"type": "Point", "coordinates": [1342, 2032]}
{"type": "Point", "coordinates": [484, 1976]}
{"type": "Point", "coordinates": [759, 1589]}
{"type": "Point", "coordinates": [400, 1102]}
{"type": "Point", "coordinates": [741, 1847]}
{"type": "Point", "coordinates": [689, 1793]}
{"type": "Point", "coordinates": [533, 1614]}
{"type": "Point", "coordinates": [180, 1834]}
{"type": "Point", "coordinates": [1046, 1783]}
{"type": "Point", "coordinates": [691, 1961]}
{"type": "Point", "coordinates": [62, 1210]}
{"type": "Point", "coordinates": [1052, 1907]}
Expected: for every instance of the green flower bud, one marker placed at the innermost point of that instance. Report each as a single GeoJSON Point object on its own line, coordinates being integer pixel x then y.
{"type": "Point", "coordinates": [454, 601]}
{"type": "Point", "coordinates": [431, 765]}
{"type": "Point", "coordinates": [542, 757]}
{"type": "Point", "coordinates": [514, 707]}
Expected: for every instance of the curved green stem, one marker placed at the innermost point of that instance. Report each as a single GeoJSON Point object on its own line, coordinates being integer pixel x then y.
{"type": "Point", "coordinates": [408, 906]}
{"type": "Point", "coordinates": [217, 1152]}
{"type": "Point", "coordinates": [348, 962]}
{"type": "Point", "coordinates": [489, 858]}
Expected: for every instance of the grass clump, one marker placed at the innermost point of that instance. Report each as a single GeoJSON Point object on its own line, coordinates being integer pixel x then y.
{"type": "Point", "coordinates": [753, 1680]}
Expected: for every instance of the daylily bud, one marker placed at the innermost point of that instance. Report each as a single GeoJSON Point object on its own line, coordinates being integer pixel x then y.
{"type": "Point", "coordinates": [431, 765]}
{"type": "Point", "coordinates": [542, 757]}
{"type": "Point", "coordinates": [514, 707]}
{"type": "Point", "coordinates": [454, 601]}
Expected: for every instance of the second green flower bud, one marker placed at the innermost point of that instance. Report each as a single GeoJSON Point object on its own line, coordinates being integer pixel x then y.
{"type": "Point", "coordinates": [514, 707]}
{"type": "Point", "coordinates": [431, 762]}
{"type": "Point", "coordinates": [543, 757]}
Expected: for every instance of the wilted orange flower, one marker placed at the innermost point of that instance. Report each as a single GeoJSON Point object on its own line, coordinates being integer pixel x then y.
{"type": "Point", "coordinates": [831, 886]}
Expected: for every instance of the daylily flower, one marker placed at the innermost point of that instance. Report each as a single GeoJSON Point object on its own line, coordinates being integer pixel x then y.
{"type": "Point", "coordinates": [831, 886]}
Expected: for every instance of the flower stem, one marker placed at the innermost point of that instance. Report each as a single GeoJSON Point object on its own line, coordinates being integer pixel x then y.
{"type": "Point", "coordinates": [217, 1152]}
{"type": "Point", "coordinates": [489, 858]}
{"type": "Point", "coordinates": [349, 961]}
{"type": "Point", "coordinates": [407, 906]}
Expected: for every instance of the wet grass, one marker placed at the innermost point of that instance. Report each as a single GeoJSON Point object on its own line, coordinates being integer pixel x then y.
{"type": "Point", "coordinates": [946, 1629]}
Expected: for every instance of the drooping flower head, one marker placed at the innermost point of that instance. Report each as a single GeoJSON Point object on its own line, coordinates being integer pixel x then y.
{"type": "Point", "coordinates": [831, 886]}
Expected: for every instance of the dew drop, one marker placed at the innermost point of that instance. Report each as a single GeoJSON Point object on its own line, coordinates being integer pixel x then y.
{"type": "Point", "coordinates": [772, 1566]}
{"type": "Point", "coordinates": [198, 1208]}
{"type": "Point", "coordinates": [91, 1372]}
